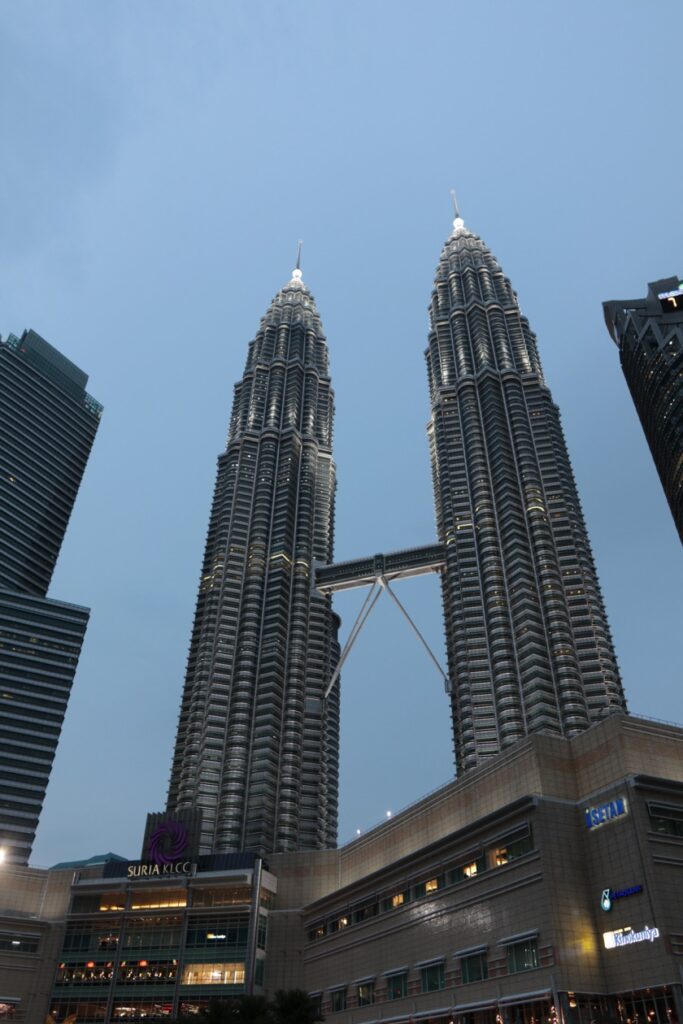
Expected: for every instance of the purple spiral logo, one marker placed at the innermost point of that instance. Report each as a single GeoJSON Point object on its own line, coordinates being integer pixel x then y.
{"type": "Point", "coordinates": [167, 843]}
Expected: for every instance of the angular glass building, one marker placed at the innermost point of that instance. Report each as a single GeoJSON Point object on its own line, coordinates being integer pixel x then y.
{"type": "Point", "coordinates": [48, 423]}
{"type": "Point", "coordinates": [528, 643]}
{"type": "Point", "coordinates": [257, 747]}
{"type": "Point", "coordinates": [649, 335]}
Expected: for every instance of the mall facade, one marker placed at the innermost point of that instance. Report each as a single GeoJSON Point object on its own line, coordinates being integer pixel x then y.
{"type": "Point", "coordinates": [545, 885]}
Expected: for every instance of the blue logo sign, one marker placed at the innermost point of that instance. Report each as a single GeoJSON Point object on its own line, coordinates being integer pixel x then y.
{"type": "Point", "coordinates": [604, 813]}
{"type": "Point", "coordinates": [610, 895]}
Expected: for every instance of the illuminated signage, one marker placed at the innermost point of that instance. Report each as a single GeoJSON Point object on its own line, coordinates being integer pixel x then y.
{"type": "Point", "coordinates": [627, 936]}
{"type": "Point", "coordinates": [604, 813]}
{"type": "Point", "coordinates": [168, 842]}
{"type": "Point", "coordinates": [673, 300]}
{"type": "Point", "coordinates": [147, 869]}
{"type": "Point", "coordinates": [610, 895]}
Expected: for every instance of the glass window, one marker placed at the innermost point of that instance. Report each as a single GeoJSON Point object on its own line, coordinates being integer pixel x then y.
{"type": "Point", "coordinates": [158, 932]}
{"type": "Point", "coordinates": [507, 852]}
{"type": "Point", "coordinates": [339, 923]}
{"type": "Point", "coordinates": [432, 978]}
{"type": "Point", "coordinates": [432, 885]}
{"type": "Point", "coordinates": [397, 899]}
{"type": "Point", "coordinates": [213, 974]}
{"type": "Point", "coordinates": [474, 968]}
{"type": "Point", "coordinates": [338, 1000]}
{"type": "Point", "coordinates": [12, 942]}
{"type": "Point", "coordinates": [262, 931]}
{"type": "Point", "coordinates": [366, 993]}
{"type": "Point", "coordinates": [202, 897]}
{"type": "Point", "coordinates": [220, 931]}
{"type": "Point", "coordinates": [156, 899]}
{"type": "Point", "coordinates": [147, 972]}
{"type": "Point", "coordinates": [469, 870]}
{"type": "Point", "coordinates": [365, 913]}
{"type": "Point", "coordinates": [397, 985]}
{"type": "Point", "coordinates": [523, 956]}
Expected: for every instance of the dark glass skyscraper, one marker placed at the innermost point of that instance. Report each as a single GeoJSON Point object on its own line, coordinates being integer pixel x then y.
{"type": "Point", "coordinates": [649, 335]}
{"type": "Point", "coordinates": [257, 746]}
{"type": "Point", "coordinates": [528, 644]}
{"type": "Point", "coordinates": [47, 426]}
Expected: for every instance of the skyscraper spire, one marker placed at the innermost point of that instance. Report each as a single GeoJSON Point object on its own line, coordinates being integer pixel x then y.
{"type": "Point", "coordinates": [458, 222]}
{"type": "Point", "coordinates": [257, 747]}
{"type": "Point", "coordinates": [297, 277]}
{"type": "Point", "coordinates": [529, 647]}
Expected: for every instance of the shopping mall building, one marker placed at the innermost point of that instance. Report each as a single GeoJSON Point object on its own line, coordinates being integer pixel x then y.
{"type": "Point", "coordinates": [546, 885]}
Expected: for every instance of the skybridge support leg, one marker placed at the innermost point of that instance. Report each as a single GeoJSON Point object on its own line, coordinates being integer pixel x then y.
{"type": "Point", "coordinates": [369, 603]}
{"type": "Point", "coordinates": [447, 683]}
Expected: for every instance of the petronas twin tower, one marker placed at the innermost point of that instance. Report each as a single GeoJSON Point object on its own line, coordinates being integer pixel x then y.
{"type": "Point", "coordinates": [527, 638]}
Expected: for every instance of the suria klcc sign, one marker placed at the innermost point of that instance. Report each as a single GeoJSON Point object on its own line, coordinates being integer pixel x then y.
{"type": "Point", "coordinates": [165, 850]}
{"type": "Point", "coordinates": [603, 814]}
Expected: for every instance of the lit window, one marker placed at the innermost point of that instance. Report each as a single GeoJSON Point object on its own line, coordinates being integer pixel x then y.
{"type": "Point", "coordinates": [366, 993]}
{"type": "Point", "coordinates": [213, 974]}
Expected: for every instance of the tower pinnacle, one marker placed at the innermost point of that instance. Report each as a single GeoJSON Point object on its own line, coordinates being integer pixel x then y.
{"type": "Point", "coordinates": [458, 222]}
{"type": "Point", "coordinates": [297, 277]}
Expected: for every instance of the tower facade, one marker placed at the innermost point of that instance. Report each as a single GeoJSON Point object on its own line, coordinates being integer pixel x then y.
{"type": "Point", "coordinates": [649, 335]}
{"type": "Point", "coordinates": [48, 423]}
{"type": "Point", "coordinates": [257, 747]}
{"type": "Point", "coordinates": [528, 643]}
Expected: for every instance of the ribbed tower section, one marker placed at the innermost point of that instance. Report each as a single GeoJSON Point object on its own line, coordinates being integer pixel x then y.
{"type": "Point", "coordinates": [257, 747]}
{"type": "Point", "coordinates": [529, 647]}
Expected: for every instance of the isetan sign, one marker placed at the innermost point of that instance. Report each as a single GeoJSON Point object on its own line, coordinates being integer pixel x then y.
{"type": "Point", "coordinates": [602, 814]}
{"type": "Point", "coordinates": [146, 869]}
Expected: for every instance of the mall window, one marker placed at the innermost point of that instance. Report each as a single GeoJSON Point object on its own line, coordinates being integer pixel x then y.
{"type": "Point", "coordinates": [432, 978]}
{"type": "Point", "coordinates": [338, 1000]}
{"type": "Point", "coordinates": [226, 896]}
{"type": "Point", "coordinates": [474, 968]}
{"type": "Point", "coordinates": [397, 899]}
{"type": "Point", "coordinates": [318, 932]}
{"type": "Point", "coordinates": [213, 974]}
{"type": "Point", "coordinates": [83, 936]}
{"type": "Point", "coordinates": [429, 887]}
{"type": "Point", "coordinates": [157, 899]}
{"type": "Point", "coordinates": [397, 985]}
{"type": "Point", "coordinates": [666, 819]}
{"type": "Point", "coordinates": [365, 993]}
{"type": "Point", "coordinates": [152, 932]}
{"type": "Point", "coordinates": [90, 973]}
{"type": "Point", "coordinates": [85, 903]}
{"type": "Point", "coordinates": [516, 847]}
{"type": "Point", "coordinates": [262, 931]}
{"type": "Point", "coordinates": [339, 923]}
{"type": "Point", "coordinates": [259, 968]}
{"type": "Point", "coordinates": [219, 932]}
{"type": "Point", "coordinates": [522, 956]}
{"type": "Point", "coordinates": [147, 972]}
{"type": "Point", "coordinates": [470, 869]}
{"type": "Point", "coordinates": [365, 913]}
{"type": "Point", "coordinates": [14, 942]}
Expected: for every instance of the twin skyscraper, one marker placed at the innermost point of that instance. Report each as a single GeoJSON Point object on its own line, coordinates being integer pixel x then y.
{"type": "Point", "coordinates": [527, 638]}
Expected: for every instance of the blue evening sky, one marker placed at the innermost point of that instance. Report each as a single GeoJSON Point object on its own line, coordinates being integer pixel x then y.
{"type": "Point", "coordinates": [160, 159]}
